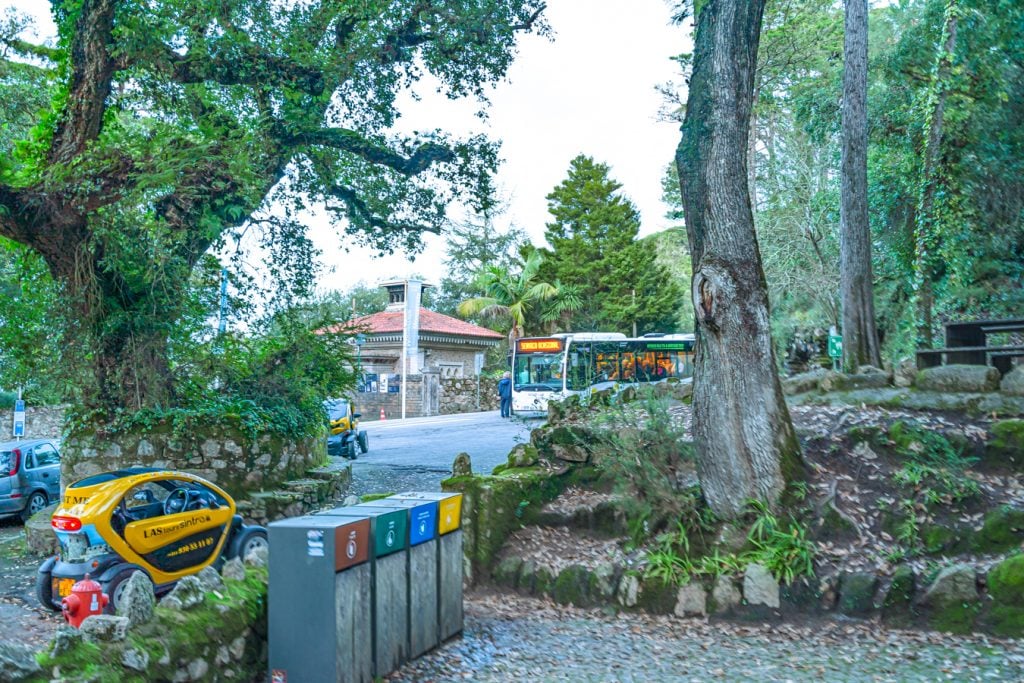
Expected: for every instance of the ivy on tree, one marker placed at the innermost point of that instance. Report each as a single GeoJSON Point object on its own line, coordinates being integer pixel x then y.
{"type": "Point", "coordinates": [173, 124]}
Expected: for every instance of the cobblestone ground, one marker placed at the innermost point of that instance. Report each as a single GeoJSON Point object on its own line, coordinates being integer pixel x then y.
{"type": "Point", "coordinates": [509, 638]}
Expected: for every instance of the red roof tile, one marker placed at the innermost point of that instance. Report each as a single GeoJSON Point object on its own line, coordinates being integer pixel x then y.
{"type": "Point", "coordinates": [430, 321]}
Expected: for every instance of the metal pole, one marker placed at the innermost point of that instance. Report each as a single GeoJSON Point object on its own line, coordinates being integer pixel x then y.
{"type": "Point", "coordinates": [405, 323]}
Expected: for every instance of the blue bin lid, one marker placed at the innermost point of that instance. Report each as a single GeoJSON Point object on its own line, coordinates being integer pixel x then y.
{"type": "Point", "coordinates": [422, 516]}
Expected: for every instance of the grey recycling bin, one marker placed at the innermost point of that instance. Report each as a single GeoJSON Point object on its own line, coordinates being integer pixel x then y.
{"type": "Point", "coordinates": [449, 559]}
{"type": "Point", "coordinates": [421, 571]}
{"type": "Point", "coordinates": [319, 600]}
{"type": "Point", "coordinates": [390, 593]}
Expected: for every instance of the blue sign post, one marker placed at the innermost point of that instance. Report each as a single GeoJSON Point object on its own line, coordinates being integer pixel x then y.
{"type": "Point", "coordinates": [19, 419]}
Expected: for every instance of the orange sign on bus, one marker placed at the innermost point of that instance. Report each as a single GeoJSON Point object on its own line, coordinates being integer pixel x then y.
{"type": "Point", "coordinates": [540, 345]}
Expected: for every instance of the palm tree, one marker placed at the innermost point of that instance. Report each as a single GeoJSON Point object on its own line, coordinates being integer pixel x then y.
{"type": "Point", "coordinates": [509, 294]}
{"type": "Point", "coordinates": [567, 300]}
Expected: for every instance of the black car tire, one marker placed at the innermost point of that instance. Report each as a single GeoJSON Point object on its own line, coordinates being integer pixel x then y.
{"type": "Point", "coordinates": [364, 442]}
{"type": "Point", "coordinates": [350, 449]}
{"type": "Point", "coordinates": [44, 590]}
{"type": "Point", "coordinates": [246, 540]}
{"type": "Point", "coordinates": [36, 502]}
{"type": "Point", "coordinates": [114, 588]}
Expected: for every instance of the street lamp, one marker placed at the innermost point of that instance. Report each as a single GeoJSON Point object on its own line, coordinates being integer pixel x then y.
{"type": "Point", "coordinates": [360, 340]}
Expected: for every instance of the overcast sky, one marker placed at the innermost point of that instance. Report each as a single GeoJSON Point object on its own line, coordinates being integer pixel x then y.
{"type": "Point", "coordinates": [590, 90]}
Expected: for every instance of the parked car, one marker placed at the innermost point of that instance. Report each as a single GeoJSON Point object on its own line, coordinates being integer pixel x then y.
{"type": "Point", "coordinates": [345, 433]}
{"type": "Point", "coordinates": [29, 477]}
{"type": "Point", "coordinates": [166, 523]}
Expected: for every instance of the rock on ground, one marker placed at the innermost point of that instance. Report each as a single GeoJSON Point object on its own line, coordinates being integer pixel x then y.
{"type": "Point", "coordinates": [958, 378]}
{"type": "Point", "coordinates": [760, 587]}
{"type": "Point", "coordinates": [138, 600]}
{"type": "Point", "coordinates": [1013, 382]}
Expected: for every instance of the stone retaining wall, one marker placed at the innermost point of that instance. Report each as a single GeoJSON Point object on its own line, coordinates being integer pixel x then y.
{"type": "Point", "coordinates": [224, 455]}
{"type": "Point", "coordinates": [459, 395]}
{"type": "Point", "coordinates": [41, 422]}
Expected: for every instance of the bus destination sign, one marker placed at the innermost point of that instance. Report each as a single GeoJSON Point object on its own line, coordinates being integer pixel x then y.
{"type": "Point", "coordinates": [539, 345]}
{"type": "Point", "coordinates": [669, 346]}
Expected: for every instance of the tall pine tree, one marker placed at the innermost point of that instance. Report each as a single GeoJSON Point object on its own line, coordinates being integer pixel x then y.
{"type": "Point", "coordinates": [593, 238]}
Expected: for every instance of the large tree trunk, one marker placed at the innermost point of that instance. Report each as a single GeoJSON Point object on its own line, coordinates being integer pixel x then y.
{"type": "Point", "coordinates": [925, 238]}
{"type": "Point", "coordinates": [120, 336]}
{"type": "Point", "coordinates": [745, 443]}
{"type": "Point", "coordinates": [860, 337]}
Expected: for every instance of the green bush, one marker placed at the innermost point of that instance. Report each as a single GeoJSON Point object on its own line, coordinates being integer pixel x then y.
{"type": "Point", "coordinates": [644, 455]}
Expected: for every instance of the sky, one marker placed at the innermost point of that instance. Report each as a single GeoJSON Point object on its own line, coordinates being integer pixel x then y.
{"type": "Point", "coordinates": [590, 90]}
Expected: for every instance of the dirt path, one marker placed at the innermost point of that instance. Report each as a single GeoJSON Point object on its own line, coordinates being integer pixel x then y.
{"type": "Point", "coordinates": [21, 618]}
{"type": "Point", "coordinates": [510, 638]}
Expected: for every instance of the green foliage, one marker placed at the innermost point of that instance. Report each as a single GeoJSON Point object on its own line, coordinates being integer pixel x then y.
{"type": "Point", "coordinates": [271, 381]}
{"type": "Point", "coordinates": [783, 549]}
{"type": "Point", "coordinates": [273, 111]}
{"type": "Point", "coordinates": [645, 458]}
{"type": "Point", "coordinates": [594, 246]}
{"type": "Point", "coordinates": [471, 247]}
{"type": "Point", "coordinates": [934, 469]}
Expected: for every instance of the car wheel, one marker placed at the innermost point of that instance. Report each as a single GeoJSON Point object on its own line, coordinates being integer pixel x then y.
{"type": "Point", "coordinates": [350, 450]}
{"type": "Point", "coordinates": [247, 540]}
{"type": "Point", "coordinates": [364, 442]}
{"type": "Point", "coordinates": [114, 588]}
{"type": "Point", "coordinates": [36, 502]}
{"type": "Point", "coordinates": [44, 590]}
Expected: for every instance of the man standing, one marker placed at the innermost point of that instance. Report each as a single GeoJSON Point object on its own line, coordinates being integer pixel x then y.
{"type": "Point", "coordinates": [505, 394]}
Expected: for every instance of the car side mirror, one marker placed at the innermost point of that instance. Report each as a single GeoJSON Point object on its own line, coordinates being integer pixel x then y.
{"type": "Point", "coordinates": [357, 415]}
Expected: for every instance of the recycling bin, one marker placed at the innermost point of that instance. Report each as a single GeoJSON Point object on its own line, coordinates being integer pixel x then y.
{"type": "Point", "coordinates": [421, 571]}
{"type": "Point", "coordinates": [449, 558]}
{"type": "Point", "coordinates": [318, 598]}
{"type": "Point", "coordinates": [389, 613]}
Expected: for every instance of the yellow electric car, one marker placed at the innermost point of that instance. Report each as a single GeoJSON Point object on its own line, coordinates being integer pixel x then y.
{"type": "Point", "coordinates": [345, 434]}
{"type": "Point", "coordinates": [166, 523]}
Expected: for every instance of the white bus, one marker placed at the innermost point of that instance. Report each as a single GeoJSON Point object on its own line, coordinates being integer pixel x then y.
{"type": "Point", "coordinates": [547, 368]}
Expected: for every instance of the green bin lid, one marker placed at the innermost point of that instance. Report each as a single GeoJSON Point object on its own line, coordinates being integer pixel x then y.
{"type": "Point", "coordinates": [388, 527]}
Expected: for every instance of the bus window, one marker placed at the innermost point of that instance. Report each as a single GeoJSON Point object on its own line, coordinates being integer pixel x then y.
{"type": "Point", "coordinates": [607, 366]}
{"type": "Point", "coordinates": [579, 374]}
{"type": "Point", "coordinates": [538, 372]}
{"type": "Point", "coordinates": [628, 366]}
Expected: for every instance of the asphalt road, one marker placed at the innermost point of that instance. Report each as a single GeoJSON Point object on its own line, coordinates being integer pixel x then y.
{"type": "Point", "coordinates": [417, 453]}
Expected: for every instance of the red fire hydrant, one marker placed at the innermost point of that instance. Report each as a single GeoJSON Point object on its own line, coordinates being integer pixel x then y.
{"type": "Point", "coordinates": [86, 599]}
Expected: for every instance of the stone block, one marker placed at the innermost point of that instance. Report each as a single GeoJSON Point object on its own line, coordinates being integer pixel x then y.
{"type": "Point", "coordinates": [104, 628]}
{"type": "Point", "coordinates": [958, 379]}
{"type": "Point", "coordinates": [137, 601]}
{"type": "Point", "coordinates": [760, 587]}
{"type": "Point", "coordinates": [17, 662]}
{"type": "Point", "coordinates": [1013, 382]}
{"type": "Point", "coordinates": [857, 593]}
{"type": "Point", "coordinates": [628, 591]}
{"type": "Point", "coordinates": [691, 601]}
{"type": "Point", "coordinates": [187, 593]}
{"type": "Point", "coordinates": [725, 595]}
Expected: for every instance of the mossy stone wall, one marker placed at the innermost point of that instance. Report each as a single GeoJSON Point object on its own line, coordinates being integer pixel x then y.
{"type": "Point", "coordinates": [224, 454]}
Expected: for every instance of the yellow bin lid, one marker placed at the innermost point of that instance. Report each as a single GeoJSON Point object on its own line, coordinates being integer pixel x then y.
{"type": "Point", "coordinates": [449, 508]}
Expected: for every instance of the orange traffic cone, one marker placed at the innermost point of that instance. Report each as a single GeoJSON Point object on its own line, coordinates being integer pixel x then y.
{"type": "Point", "coordinates": [382, 415]}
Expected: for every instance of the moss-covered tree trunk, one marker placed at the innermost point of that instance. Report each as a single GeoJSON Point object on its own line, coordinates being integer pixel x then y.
{"type": "Point", "coordinates": [745, 443]}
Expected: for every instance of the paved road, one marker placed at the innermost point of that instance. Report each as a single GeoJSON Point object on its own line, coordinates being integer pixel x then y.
{"type": "Point", "coordinates": [417, 453]}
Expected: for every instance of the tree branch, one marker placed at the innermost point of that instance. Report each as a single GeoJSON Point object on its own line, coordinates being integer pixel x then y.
{"type": "Point", "coordinates": [92, 70]}
{"type": "Point", "coordinates": [27, 49]}
{"type": "Point", "coordinates": [350, 141]}
{"type": "Point", "coordinates": [358, 208]}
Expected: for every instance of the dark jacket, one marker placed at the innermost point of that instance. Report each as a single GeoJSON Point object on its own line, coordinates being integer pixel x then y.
{"type": "Point", "coordinates": [505, 388]}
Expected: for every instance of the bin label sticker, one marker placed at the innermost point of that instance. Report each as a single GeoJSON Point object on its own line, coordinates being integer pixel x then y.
{"type": "Point", "coordinates": [278, 676]}
{"type": "Point", "coordinates": [390, 539]}
{"type": "Point", "coordinates": [424, 523]}
{"type": "Point", "coordinates": [351, 547]}
{"type": "Point", "coordinates": [315, 543]}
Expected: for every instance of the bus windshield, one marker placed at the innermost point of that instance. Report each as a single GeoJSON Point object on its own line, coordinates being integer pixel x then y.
{"type": "Point", "coordinates": [537, 372]}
